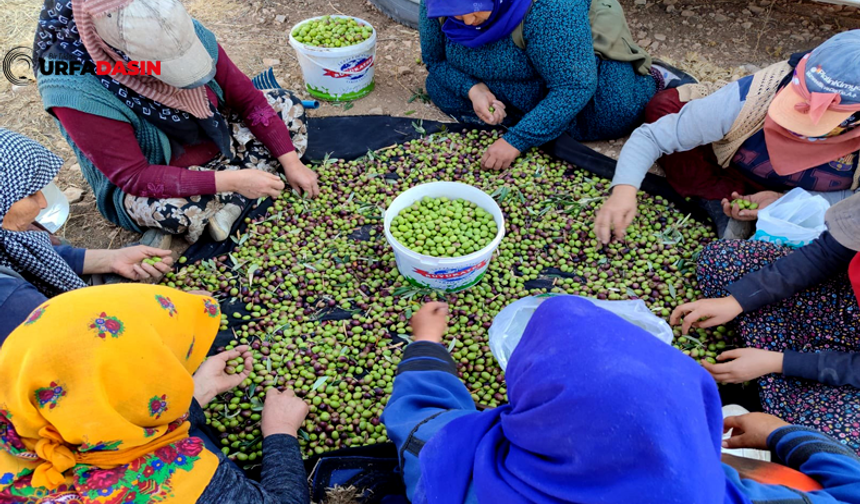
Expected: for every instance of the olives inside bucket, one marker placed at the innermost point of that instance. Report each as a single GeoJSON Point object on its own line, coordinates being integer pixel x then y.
{"type": "Point", "coordinates": [448, 274]}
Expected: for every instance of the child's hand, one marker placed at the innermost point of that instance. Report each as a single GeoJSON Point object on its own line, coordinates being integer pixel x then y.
{"type": "Point", "coordinates": [430, 322]}
{"type": "Point", "coordinates": [751, 430]}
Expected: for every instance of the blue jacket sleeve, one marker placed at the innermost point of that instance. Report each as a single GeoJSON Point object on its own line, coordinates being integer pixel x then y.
{"type": "Point", "coordinates": [18, 298]}
{"type": "Point", "coordinates": [829, 368]}
{"type": "Point", "coordinates": [433, 53]}
{"type": "Point", "coordinates": [831, 464]}
{"type": "Point", "coordinates": [73, 256]}
{"type": "Point", "coordinates": [818, 456]}
{"type": "Point", "coordinates": [560, 47]}
{"type": "Point", "coordinates": [426, 385]}
{"type": "Point", "coordinates": [803, 268]}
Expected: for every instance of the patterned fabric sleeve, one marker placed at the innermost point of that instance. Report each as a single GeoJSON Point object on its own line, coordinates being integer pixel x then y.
{"type": "Point", "coordinates": [803, 268]}
{"type": "Point", "coordinates": [433, 53]}
{"type": "Point", "coordinates": [560, 47]}
{"type": "Point", "coordinates": [241, 95]}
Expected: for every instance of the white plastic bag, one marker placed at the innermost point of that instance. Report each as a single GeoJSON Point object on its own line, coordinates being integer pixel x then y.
{"type": "Point", "coordinates": [793, 220]}
{"type": "Point", "coordinates": [56, 212]}
{"type": "Point", "coordinates": [509, 325]}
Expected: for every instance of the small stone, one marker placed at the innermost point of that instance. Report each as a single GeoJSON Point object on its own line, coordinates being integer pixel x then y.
{"type": "Point", "coordinates": [660, 37]}
{"type": "Point", "coordinates": [721, 18]}
{"type": "Point", "coordinates": [641, 34]}
{"type": "Point", "coordinates": [375, 111]}
{"type": "Point", "coordinates": [746, 26]}
{"type": "Point", "coordinates": [75, 168]}
{"type": "Point", "coordinates": [687, 13]}
{"type": "Point", "coordinates": [654, 47]}
{"type": "Point", "coordinates": [750, 68]}
{"type": "Point", "coordinates": [404, 70]}
{"type": "Point", "coordinates": [670, 9]}
{"type": "Point", "coordinates": [280, 18]}
{"type": "Point", "coordinates": [643, 43]}
{"type": "Point", "coordinates": [271, 62]}
{"type": "Point", "coordinates": [755, 9]}
{"type": "Point", "coordinates": [74, 194]}
{"type": "Point", "coordinates": [640, 2]}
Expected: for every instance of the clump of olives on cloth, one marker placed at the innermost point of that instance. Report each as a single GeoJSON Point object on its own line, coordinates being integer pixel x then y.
{"type": "Point", "coordinates": [305, 259]}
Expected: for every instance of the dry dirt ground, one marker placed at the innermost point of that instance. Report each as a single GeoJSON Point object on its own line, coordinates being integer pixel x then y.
{"type": "Point", "coordinates": [715, 40]}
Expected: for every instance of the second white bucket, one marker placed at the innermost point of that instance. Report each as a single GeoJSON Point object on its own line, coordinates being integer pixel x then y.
{"type": "Point", "coordinates": [444, 273]}
{"type": "Point", "coordinates": [337, 73]}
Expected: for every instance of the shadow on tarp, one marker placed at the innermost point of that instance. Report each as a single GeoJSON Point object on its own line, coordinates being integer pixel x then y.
{"type": "Point", "coordinates": [351, 137]}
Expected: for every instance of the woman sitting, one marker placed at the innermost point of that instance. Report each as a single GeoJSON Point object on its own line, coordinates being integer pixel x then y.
{"type": "Point", "coordinates": [797, 314]}
{"type": "Point", "coordinates": [165, 151]}
{"type": "Point", "coordinates": [31, 269]}
{"type": "Point", "coordinates": [99, 405]}
{"type": "Point", "coordinates": [793, 124]}
{"type": "Point", "coordinates": [600, 411]}
{"type": "Point", "coordinates": [551, 66]}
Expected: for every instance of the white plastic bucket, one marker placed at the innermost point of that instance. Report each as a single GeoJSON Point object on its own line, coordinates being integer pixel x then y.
{"type": "Point", "coordinates": [337, 73]}
{"type": "Point", "coordinates": [444, 273]}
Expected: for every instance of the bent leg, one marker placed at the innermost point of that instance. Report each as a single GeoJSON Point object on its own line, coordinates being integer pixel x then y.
{"type": "Point", "coordinates": [617, 105]}
{"type": "Point", "coordinates": [449, 102]}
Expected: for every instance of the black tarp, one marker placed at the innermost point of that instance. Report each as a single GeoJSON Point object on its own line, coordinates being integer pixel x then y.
{"type": "Point", "coordinates": [351, 137]}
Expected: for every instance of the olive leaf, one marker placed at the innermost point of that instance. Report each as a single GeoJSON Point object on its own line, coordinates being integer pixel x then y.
{"type": "Point", "coordinates": [319, 383]}
{"type": "Point", "coordinates": [251, 270]}
{"type": "Point", "coordinates": [452, 345]}
{"type": "Point", "coordinates": [256, 404]}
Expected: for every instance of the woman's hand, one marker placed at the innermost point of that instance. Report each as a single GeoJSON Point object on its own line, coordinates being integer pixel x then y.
{"type": "Point", "coordinates": [751, 430]}
{"type": "Point", "coordinates": [616, 213]}
{"type": "Point", "coordinates": [762, 199]}
{"type": "Point", "coordinates": [706, 313]}
{"type": "Point", "coordinates": [748, 364]}
{"type": "Point", "coordinates": [300, 177]}
{"type": "Point", "coordinates": [482, 101]}
{"type": "Point", "coordinates": [500, 155]}
{"type": "Point", "coordinates": [283, 413]}
{"type": "Point", "coordinates": [249, 183]}
{"type": "Point", "coordinates": [212, 378]}
{"type": "Point", "coordinates": [128, 262]}
{"type": "Point", "coordinates": [430, 322]}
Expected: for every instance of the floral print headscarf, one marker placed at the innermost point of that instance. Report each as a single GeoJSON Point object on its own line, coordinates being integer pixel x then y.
{"type": "Point", "coordinates": [95, 388]}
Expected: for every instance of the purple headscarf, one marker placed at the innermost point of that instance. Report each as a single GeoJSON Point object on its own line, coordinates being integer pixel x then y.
{"type": "Point", "coordinates": [506, 16]}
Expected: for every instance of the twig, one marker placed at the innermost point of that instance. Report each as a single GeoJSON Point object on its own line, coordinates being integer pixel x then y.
{"type": "Point", "coordinates": [335, 9]}
{"type": "Point", "coordinates": [115, 234]}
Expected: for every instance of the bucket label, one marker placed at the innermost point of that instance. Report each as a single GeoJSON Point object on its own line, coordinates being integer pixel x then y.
{"type": "Point", "coordinates": [353, 69]}
{"type": "Point", "coordinates": [450, 275]}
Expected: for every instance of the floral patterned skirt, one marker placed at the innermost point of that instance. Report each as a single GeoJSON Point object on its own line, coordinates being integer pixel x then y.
{"type": "Point", "coordinates": [189, 215]}
{"type": "Point", "coordinates": [824, 317]}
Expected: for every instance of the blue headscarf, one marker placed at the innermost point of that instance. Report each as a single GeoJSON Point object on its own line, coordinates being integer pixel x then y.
{"type": "Point", "coordinates": [600, 412]}
{"type": "Point", "coordinates": [506, 16]}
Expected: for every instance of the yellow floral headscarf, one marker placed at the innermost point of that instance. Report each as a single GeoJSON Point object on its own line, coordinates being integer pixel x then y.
{"type": "Point", "coordinates": [95, 388]}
